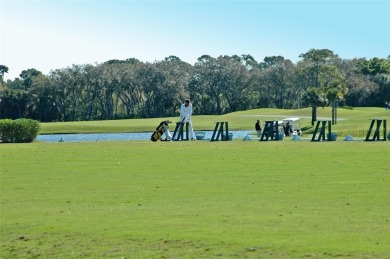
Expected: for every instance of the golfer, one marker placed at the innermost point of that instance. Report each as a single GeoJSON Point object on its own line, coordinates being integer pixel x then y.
{"type": "Point", "coordinates": [258, 128]}
{"type": "Point", "coordinates": [185, 116]}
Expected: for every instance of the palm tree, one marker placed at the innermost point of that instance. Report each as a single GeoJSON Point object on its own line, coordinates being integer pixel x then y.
{"type": "Point", "coordinates": [315, 98]}
{"type": "Point", "coordinates": [335, 93]}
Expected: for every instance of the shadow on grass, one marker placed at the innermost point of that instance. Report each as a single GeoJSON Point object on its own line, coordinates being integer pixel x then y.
{"type": "Point", "coordinates": [308, 129]}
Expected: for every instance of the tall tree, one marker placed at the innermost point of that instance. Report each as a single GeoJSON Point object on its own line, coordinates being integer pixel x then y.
{"type": "Point", "coordinates": [3, 70]}
{"type": "Point", "coordinates": [152, 80]}
{"type": "Point", "coordinates": [334, 93]}
{"type": "Point", "coordinates": [377, 70]}
{"type": "Point", "coordinates": [108, 94]}
{"type": "Point", "coordinates": [315, 97]}
{"type": "Point", "coordinates": [320, 71]}
{"type": "Point", "coordinates": [234, 83]}
{"type": "Point", "coordinates": [206, 81]}
{"type": "Point", "coordinates": [42, 104]}
{"type": "Point", "coordinates": [13, 104]}
{"type": "Point", "coordinates": [69, 86]}
{"type": "Point", "coordinates": [277, 81]}
{"type": "Point", "coordinates": [130, 90]}
{"type": "Point", "coordinates": [249, 61]}
{"type": "Point", "coordinates": [28, 75]}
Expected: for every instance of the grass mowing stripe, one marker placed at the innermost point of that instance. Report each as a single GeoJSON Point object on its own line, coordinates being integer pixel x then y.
{"type": "Point", "coordinates": [195, 199]}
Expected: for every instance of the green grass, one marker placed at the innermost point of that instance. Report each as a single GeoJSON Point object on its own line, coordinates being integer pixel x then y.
{"type": "Point", "coordinates": [354, 122]}
{"type": "Point", "coordinates": [195, 199]}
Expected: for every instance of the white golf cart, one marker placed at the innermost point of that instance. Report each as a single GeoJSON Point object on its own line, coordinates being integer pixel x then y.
{"type": "Point", "coordinates": [291, 127]}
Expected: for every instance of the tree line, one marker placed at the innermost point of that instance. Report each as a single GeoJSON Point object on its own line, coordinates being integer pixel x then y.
{"type": "Point", "coordinates": [133, 89]}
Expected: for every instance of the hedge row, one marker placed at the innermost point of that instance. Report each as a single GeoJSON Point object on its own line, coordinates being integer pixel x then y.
{"type": "Point", "coordinates": [18, 131]}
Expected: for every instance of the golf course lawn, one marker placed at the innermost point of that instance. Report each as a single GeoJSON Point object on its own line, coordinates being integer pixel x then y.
{"type": "Point", "coordinates": [200, 199]}
{"type": "Point", "coordinates": [353, 122]}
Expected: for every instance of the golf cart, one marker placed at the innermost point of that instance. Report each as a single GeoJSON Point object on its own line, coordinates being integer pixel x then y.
{"type": "Point", "coordinates": [291, 127]}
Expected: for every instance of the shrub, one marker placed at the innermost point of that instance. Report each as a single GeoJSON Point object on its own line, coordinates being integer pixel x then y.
{"type": "Point", "coordinates": [18, 131]}
{"type": "Point", "coordinates": [6, 130]}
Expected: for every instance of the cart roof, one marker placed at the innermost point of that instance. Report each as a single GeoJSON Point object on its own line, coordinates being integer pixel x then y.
{"type": "Point", "coordinates": [291, 119]}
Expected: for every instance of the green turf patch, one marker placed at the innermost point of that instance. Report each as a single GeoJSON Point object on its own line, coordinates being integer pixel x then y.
{"type": "Point", "coordinates": [195, 199]}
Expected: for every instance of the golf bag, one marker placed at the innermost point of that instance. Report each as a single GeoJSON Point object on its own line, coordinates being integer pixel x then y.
{"type": "Point", "coordinates": [160, 130]}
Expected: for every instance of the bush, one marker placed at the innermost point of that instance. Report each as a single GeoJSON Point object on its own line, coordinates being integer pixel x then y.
{"type": "Point", "coordinates": [18, 131]}
{"type": "Point", "coordinates": [6, 130]}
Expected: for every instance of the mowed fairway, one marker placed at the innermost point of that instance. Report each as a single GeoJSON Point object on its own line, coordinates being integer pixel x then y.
{"type": "Point", "coordinates": [195, 199]}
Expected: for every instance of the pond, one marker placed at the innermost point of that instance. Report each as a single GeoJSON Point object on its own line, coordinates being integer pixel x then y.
{"type": "Point", "coordinates": [120, 136]}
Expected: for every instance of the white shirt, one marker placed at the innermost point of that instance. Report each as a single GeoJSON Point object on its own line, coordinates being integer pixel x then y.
{"type": "Point", "coordinates": [185, 112]}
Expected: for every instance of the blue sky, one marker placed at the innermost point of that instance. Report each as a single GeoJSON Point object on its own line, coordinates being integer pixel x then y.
{"type": "Point", "coordinates": [54, 34]}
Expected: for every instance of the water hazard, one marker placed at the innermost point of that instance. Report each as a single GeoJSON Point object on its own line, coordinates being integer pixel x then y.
{"type": "Point", "coordinates": [120, 136]}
